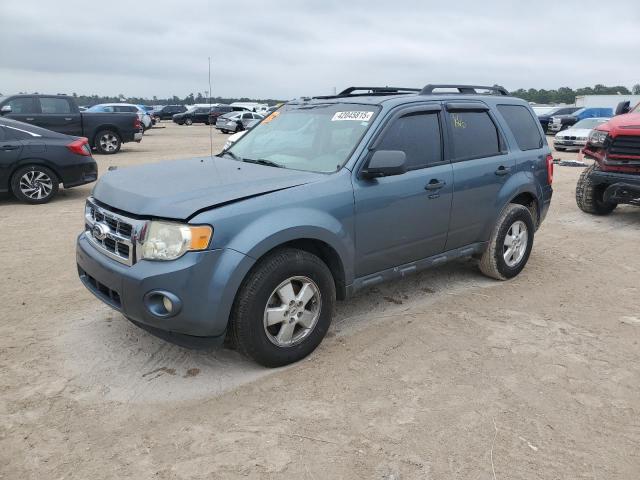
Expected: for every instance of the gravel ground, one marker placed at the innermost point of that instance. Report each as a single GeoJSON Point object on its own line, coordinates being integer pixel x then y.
{"type": "Point", "coordinates": [442, 375]}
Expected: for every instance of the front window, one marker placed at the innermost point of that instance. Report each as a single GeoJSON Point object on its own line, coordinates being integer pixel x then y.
{"type": "Point", "coordinates": [315, 138]}
{"type": "Point", "coordinates": [636, 109]}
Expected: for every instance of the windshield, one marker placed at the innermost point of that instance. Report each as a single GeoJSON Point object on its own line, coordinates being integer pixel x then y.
{"type": "Point", "coordinates": [589, 123]}
{"type": "Point", "coordinates": [636, 109]}
{"type": "Point", "coordinates": [315, 138]}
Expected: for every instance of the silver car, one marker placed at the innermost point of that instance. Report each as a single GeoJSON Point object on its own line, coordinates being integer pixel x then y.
{"type": "Point", "coordinates": [236, 121]}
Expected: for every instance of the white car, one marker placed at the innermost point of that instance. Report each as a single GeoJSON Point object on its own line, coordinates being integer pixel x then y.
{"type": "Point", "coordinates": [576, 136]}
{"type": "Point", "coordinates": [145, 118]}
{"type": "Point", "coordinates": [236, 136]}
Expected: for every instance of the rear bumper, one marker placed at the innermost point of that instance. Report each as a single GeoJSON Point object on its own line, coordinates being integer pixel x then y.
{"type": "Point", "coordinates": [137, 137]}
{"type": "Point", "coordinates": [546, 203]}
{"type": "Point", "coordinates": [205, 284]}
{"type": "Point", "coordinates": [81, 174]}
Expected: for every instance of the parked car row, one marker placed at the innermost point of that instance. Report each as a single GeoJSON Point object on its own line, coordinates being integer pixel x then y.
{"type": "Point", "coordinates": [105, 131]}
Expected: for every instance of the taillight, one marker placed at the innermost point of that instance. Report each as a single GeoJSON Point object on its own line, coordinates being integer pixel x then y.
{"type": "Point", "coordinates": [549, 169]}
{"type": "Point", "coordinates": [80, 146]}
{"type": "Point", "coordinates": [136, 123]}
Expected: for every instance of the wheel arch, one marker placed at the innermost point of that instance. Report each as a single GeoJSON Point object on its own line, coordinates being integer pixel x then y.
{"type": "Point", "coordinates": [25, 162]}
{"type": "Point", "coordinates": [100, 128]}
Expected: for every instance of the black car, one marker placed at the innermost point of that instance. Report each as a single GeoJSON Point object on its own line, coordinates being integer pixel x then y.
{"type": "Point", "coordinates": [34, 161]}
{"type": "Point", "coordinates": [193, 115]}
{"type": "Point", "coordinates": [106, 132]}
{"type": "Point", "coordinates": [546, 118]}
{"type": "Point", "coordinates": [168, 111]}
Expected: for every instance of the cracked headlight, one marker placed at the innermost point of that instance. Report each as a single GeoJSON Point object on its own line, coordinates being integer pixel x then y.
{"type": "Point", "coordinates": [168, 240]}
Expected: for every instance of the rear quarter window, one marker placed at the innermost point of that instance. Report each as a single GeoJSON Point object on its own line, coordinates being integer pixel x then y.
{"type": "Point", "coordinates": [523, 126]}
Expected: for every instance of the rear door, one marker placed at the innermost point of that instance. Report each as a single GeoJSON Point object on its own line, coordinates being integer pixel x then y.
{"type": "Point", "coordinates": [481, 166]}
{"type": "Point", "coordinates": [58, 114]}
{"type": "Point", "coordinates": [10, 148]}
{"type": "Point", "coordinates": [403, 218]}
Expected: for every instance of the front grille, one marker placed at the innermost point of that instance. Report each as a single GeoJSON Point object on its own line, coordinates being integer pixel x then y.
{"type": "Point", "coordinates": [625, 145]}
{"type": "Point", "coordinates": [111, 233]}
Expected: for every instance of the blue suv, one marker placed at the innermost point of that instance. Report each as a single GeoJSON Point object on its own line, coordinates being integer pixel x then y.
{"type": "Point", "coordinates": [324, 197]}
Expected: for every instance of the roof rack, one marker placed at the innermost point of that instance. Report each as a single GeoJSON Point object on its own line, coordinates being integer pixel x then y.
{"type": "Point", "coordinates": [369, 91]}
{"type": "Point", "coordinates": [466, 89]}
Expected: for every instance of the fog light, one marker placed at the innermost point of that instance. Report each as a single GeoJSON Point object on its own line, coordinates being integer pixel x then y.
{"type": "Point", "coordinates": [162, 304]}
{"type": "Point", "coordinates": [168, 304]}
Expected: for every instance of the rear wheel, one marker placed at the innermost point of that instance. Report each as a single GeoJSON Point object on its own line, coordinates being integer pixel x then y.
{"type": "Point", "coordinates": [589, 196]}
{"type": "Point", "coordinates": [510, 243]}
{"type": "Point", "coordinates": [284, 308]}
{"type": "Point", "coordinates": [107, 142]}
{"type": "Point", "coordinates": [34, 184]}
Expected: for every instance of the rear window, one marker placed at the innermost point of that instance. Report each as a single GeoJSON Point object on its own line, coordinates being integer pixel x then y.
{"type": "Point", "coordinates": [474, 135]}
{"type": "Point", "coordinates": [54, 105]}
{"type": "Point", "coordinates": [523, 126]}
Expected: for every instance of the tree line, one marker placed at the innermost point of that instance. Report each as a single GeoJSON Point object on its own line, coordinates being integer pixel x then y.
{"type": "Point", "coordinates": [542, 96]}
{"type": "Point", "coordinates": [568, 95]}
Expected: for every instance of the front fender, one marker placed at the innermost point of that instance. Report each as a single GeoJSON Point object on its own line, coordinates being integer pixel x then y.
{"type": "Point", "coordinates": [276, 228]}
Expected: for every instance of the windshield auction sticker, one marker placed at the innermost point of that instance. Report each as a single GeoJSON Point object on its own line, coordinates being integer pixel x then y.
{"type": "Point", "coordinates": [357, 116]}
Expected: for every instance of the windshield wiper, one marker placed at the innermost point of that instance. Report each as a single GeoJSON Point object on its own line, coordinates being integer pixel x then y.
{"type": "Point", "coordinates": [262, 161]}
{"type": "Point", "coordinates": [231, 154]}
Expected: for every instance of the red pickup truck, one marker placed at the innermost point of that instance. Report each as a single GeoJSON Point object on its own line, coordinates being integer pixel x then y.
{"type": "Point", "coordinates": [614, 178]}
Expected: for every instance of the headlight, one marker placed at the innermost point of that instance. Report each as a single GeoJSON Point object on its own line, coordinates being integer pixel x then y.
{"type": "Point", "coordinates": [168, 241]}
{"type": "Point", "coordinates": [597, 138]}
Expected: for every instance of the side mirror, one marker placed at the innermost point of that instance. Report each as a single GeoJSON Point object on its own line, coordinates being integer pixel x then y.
{"type": "Point", "coordinates": [623, 107]}
{"type": "Point", "coordinates": [385, 163]}
{"type": "Point", "coordinates": [5, 109]}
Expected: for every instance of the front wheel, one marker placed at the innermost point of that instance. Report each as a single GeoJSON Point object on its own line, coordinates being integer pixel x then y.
{"type": "Point", "coordinates": [188, 121]}
{"type": "Point", "coordinates": [590, 197]}
{"type": "Point", "coordinates": [510, 243]}
{"type": "Point", "coordinates": [107, 142]}
{"type": "Point", "coordinates": [283, 309]}
{"type": "Point", "coordinates": [34, 184]}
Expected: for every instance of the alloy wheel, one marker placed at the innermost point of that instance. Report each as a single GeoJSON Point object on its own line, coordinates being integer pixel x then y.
{"type": "Point", "coordinates": [36, 185]}
{"type": "Point", "coordinates": [292, 311]}
{"type": "Point", "coordinates": [109, 142]}
{"type": "Point", "coordinates": [515, 243]}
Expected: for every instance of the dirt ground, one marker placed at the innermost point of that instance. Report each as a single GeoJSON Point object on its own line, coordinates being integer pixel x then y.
{"type": "Point", "coordinates": [444, 375]}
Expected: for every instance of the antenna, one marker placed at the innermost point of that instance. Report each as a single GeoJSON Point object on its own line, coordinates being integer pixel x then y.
{"type": "Point", "coordinates": [210, 126]}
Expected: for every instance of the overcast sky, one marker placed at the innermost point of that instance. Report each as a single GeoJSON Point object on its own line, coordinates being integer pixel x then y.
{"type": "Point", "coordinates": [287, 48]}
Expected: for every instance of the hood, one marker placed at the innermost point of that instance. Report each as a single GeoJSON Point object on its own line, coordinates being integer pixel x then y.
{"type": "Point", "coordinates": [178, 189]}
{"type": "Point", "coordinates": [575, 132]}
{"type": "Point", "coordinates": [627, 124]}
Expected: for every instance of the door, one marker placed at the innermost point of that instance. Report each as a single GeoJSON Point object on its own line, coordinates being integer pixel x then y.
{"type": "Point", "coordinates": [58, 114]}
{"type": "Point", "coordinates": [10, 148]}
{"type": "Point", "coordinates": [481, 166]}
{"type": "Point", "coordinates": [23, 109]}
{"type": "Point", "coordinates": [404, 218]}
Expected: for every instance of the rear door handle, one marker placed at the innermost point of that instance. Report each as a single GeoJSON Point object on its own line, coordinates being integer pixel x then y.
{"type": "Point", "coordinates": [29, 119]}
{"type": "Point", "coordinates": [434, 185]}
{"type": "Point", "coordinates": [502, 170]}
{"type": "Point", "coordinates": [68, 118]}
{"type": "Point", "coordinates": [9, 147]}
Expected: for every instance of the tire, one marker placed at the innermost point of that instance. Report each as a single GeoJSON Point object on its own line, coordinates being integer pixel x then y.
{"type": "Point", "coordinates": [496, 262]}
{"type": "Point", "coordinates": [224, 131]}
{"type": "Point", "coordinates": [589, 196]}
{"type": "Point", "coordinates": [267, 344]}
{"type": "Point", "coordinates": [188, 121]}
{"type": "Point", "coordinates": [560, 149]}
{"type": "Point", "coordinates": [107, 142]}
{"type": "Point", "coordinates": [34, 184]}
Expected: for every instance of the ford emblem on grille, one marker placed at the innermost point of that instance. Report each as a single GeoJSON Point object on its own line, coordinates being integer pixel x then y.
{"type": "Point", "coordinates": [100, 231]}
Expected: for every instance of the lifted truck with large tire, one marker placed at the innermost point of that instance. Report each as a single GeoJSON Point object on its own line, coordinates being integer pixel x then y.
{"type": "Point", "coordinates": [106, 132]}
{"type": "Point", "coordinates": [324, 197]}
{"type": "Point", "coordinates": [614, 178]}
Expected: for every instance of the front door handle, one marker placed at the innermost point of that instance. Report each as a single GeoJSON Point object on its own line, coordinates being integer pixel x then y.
{"type": "Point", "coordinates": [9, 147]}
{"type": "Point", "coordinates": [502, 170]}
{"type": "Point", "coordinates": [29, 119]}
{"type": "Point", "coordinates": [434, 185]}
{"type": "Point", "coordinates": [68, 118]}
